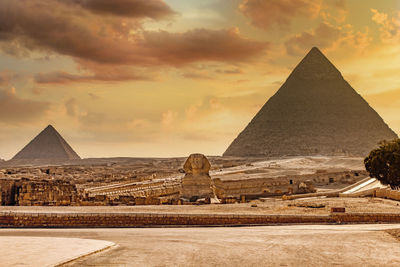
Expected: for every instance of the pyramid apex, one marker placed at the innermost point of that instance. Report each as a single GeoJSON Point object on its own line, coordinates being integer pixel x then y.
{"type": "Point", "coordinates": [315, 65]}
{"type": "Point", "coordinates": [314, 48]}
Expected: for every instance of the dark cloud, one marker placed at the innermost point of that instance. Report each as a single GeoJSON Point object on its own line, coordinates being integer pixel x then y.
{"type": "Point", "coordinates": [53, 26]}
{"type": "Point", "coordinates": [200, 45]}
{"type": "Point", "coordinates": [265, 14]}
{"type": "Point", "coordinates": [15, 110]}
{"type": "Point", "coordinates": [155, 9]}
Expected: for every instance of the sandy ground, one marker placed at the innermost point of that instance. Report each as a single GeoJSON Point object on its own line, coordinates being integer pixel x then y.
{"type": "Point", "coordinates": [291, 166]}
{"type": "Point", "coordinates": [269, 206]}
{"type": "Point", "coordinates": [45, 251]}
{"type": "Point", "coordinates": [304, 245]}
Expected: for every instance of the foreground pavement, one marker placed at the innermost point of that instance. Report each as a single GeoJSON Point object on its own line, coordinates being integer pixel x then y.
{"type": "Point", "coordinates": [46, 251]}
{"type": "Point", "coordinates": [296, 245]}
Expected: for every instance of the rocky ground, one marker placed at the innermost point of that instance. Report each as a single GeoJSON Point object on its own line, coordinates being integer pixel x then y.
{"type": "Point", "coordinates": [101, 171]}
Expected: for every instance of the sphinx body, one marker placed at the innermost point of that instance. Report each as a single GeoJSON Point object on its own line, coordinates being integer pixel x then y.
{"type": "Point", "coordinates": [197, 182]}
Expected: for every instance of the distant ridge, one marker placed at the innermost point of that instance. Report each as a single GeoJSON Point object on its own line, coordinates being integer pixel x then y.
{"type": "Point", "coordinates": [48, 145]}
{"type": "Point", "coordinates": [315, 112]}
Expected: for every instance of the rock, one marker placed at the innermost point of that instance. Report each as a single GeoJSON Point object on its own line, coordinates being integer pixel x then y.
{"type": "Point", "coordinates": [306, 187]}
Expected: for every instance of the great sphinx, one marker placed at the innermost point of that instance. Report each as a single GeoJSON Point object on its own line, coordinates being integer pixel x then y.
{"type": "Point", "coordinates": [197, 183]}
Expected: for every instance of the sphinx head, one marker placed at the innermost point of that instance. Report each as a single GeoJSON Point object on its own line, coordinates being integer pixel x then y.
{"type": "Point", "coordinates": [197, 164]}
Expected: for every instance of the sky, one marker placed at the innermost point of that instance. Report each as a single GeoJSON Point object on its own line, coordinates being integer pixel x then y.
{"type": "Point", "coordinates": [154, 78]}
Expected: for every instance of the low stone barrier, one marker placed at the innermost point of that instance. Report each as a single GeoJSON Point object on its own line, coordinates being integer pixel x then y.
{"type": "Point", "coordinates": [387, 193]}
{"type": "Point", "coordinates": [109, 220]}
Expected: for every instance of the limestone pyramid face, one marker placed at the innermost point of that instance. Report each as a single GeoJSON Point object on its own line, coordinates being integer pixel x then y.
{"type": "Point", "coordinates": [315, 112]}
{"type": "Point", "coordinates": [49, 144]}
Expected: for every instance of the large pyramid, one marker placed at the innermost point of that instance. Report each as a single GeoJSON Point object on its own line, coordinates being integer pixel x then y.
{"type": "Point", "coordinates": [48, 145]}
{"type": "Point", "coordinates": [315, 112]}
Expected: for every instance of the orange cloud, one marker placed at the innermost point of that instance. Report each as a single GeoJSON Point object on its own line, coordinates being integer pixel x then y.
{"type": "Point", "coordinates": [71, 106]}
{"type": "Point", "coordinates": [323, 36]}
{"type": "Point", "coordinates": [385, 99]}
{"type": "Point", "coordinates": [334, 10]}
{"type": "Point", "coordinates": [230, 71]}
{"type": "Point", "coordinates": [200, 45]}
{"type": "Point", "coordinates": [15, 110]}
{"type": "Point", "coordinates": [327, 36]}
{"type": "Point", "coordinates": [6, 76]}
{"type": "Point", "coordinates": [168, 118]}
{"type": "Point", "coordinates": [265, 14]}
{"type": "Point", "coordinates": [61, 77]}
{"type": "Point", "coordinates": [389, 27]}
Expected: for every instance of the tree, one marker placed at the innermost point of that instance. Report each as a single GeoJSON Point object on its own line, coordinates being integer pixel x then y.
{"type": "Point", "coordinates": [383, 163]}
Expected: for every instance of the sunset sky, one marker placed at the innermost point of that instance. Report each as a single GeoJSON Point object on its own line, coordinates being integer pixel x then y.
{"type": "Point", "coordinates": [168, 78]}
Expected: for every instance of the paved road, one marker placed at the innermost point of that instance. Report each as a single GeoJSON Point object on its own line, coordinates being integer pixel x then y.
{"type": "Point", "coordinates": [45, 251]}
{"type": "Point", "coordinates": [300, 245]}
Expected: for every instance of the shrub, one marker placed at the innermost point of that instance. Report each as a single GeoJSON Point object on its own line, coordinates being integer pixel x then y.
{"type": "Point", "coordinates": [383, 163]}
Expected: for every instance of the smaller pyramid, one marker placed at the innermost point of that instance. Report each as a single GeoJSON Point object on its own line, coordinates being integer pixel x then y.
{"type": "Point", "coordinates": [48, 144]}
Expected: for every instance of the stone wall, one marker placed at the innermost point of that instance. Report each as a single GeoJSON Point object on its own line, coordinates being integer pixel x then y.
{"type": "Point", "coordinates": [287, 185]}
{"type": "Point", "coordinates": [387, 193]}
{"type": "Point", "coordinates": [46, 193]}
{"type": "Point", "coordinates": [7, 192]}
{"type": "Point", "coordinates": [25, 192]}
{"type": "Point", "coordinates": [76, 220]}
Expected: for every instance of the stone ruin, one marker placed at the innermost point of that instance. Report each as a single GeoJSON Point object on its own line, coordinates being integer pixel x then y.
{"type": "Point", "coordinates": [197, 183]}
{"type": "Point", "coordinates": [26, 192]}
{"type": "Point", "coordinates": [103, 185]}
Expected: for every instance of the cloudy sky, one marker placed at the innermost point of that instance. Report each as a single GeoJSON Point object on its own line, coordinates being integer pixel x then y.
{"type": "Point", "coordinates": [173, 77]}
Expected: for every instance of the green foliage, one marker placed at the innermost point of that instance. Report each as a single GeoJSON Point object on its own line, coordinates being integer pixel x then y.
{"type": "Point", "coordinates": [383, 163]}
